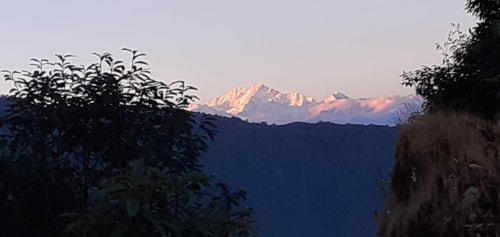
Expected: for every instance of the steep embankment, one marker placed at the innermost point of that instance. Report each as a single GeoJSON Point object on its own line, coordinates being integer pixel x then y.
{"type": "Point", "coordinates": [305, 179]}
{"type": "Point", "coordinates": [446, 179]}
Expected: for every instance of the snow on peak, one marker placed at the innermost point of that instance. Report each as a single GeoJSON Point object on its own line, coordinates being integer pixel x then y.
{"type": "Point", "coordinates": [296, 99]}
{"type": "Point", "coordinates": [263, 93]}
{"type": "Point", "coordinates": [235, 101]}
{"type": "Point", "coordinates": [259, 87]}
{"type": "Point", "coordinates": [335, 96]}
{"type": "Point", "coordinates": [261, 103]}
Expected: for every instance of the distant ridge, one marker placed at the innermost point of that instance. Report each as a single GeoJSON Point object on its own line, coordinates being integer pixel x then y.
{"type": "Point", "coordinates": [305, 179]}
{"type": "Point", "coordinates": [260, 103]}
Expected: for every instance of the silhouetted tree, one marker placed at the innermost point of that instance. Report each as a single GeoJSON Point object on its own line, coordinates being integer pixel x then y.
{"type": "Point", "coordinates": [70, 128]}
{"type": "Point", "coordinates": [469, 78]}
{"type": "Point", "coordinates": [445, 179]}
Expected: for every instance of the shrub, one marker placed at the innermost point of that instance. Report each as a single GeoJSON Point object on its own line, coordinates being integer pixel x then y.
{"type": "Point", "coordinates": [71, 130]}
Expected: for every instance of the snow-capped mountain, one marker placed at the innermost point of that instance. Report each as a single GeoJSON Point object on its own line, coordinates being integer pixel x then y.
{"type": "Point", "coordinates": [260, 103]}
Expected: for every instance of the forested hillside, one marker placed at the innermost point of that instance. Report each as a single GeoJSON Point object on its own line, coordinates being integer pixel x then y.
{"type": "Point", "coordinates": [305, 179]}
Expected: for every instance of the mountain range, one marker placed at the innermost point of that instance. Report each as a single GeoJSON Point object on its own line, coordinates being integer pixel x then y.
{"type": "Point", "coordinates": [260, 103]}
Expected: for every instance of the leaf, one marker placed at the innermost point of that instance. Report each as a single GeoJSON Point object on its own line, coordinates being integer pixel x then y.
{"type": "Point", "coordinates": [133, 206]}
{"type": "Point", "coordinates": [112, 188]}
{"type": "Point", "coordinates": [70, 215]}
{"type": "Point", "coordinates": [73, 225]}
{"type": "Point", "coordinates": [137, 168]}
{"type": "Point", "coordinates": [122, 229]}
{"type": "Point", "coordinates": [175, 229]}
{"type": "Point", "coordinates": [141, 62]}
{"type": "Point", "coordinates": [138, 55]}
{"type": "Point", "coordinates": [196, 176]}
{"type": "Point", "coordinates": [157, 224]}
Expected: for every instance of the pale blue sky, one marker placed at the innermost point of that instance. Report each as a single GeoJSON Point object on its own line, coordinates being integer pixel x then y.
{"type": "Point", "coordinates": [312, 46]}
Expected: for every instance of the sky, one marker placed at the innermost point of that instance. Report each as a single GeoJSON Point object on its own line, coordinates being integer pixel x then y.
{"type": "Point", "coordinates": [315, 47]}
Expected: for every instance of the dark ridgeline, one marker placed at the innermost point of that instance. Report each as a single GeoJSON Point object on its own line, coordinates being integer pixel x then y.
{"type": "Point", "coordinates": [305, 179]}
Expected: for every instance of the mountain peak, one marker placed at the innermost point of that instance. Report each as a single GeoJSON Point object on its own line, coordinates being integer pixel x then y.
{"type": "Point", "coordinates": [262, 103]}
{"type": "Point", "coordinates": [335, 96]}
{"type": "Point", "coordinates": [261, 89]}
{"type": "Point", "coordinates": [236, 100]}
{"type": "Point", "coordinates": [258, 86]}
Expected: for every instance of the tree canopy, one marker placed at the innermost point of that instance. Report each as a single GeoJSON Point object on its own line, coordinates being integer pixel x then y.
{"type": "Point", "coordinates": [469, 78]}
{"type": "Point", "coordinates": [445, 178]}
{"type": "Point", "coordinates": [105, 149]}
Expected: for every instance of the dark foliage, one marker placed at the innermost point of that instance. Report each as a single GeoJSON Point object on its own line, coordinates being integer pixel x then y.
{"type": "Point", "coordinates": [70, 127]}
{"type": "Point", "coordinates": [445, 181]}
{"type": "Point", "coordinates": [469, 78]}
{"type": "Point", "coordinates": [484, 9]}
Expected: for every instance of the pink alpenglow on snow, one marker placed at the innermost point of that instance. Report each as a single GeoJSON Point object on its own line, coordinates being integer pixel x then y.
{"type": "Point", "coordinates": [260, 103]}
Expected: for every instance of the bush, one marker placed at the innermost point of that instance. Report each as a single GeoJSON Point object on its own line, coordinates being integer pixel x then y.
{"type": "Point", "coordinates": [468, 80]}
{"type": "Point", "coordinates": [144, 201]}
{"type": "Point", "coordinates": [71, 130]}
